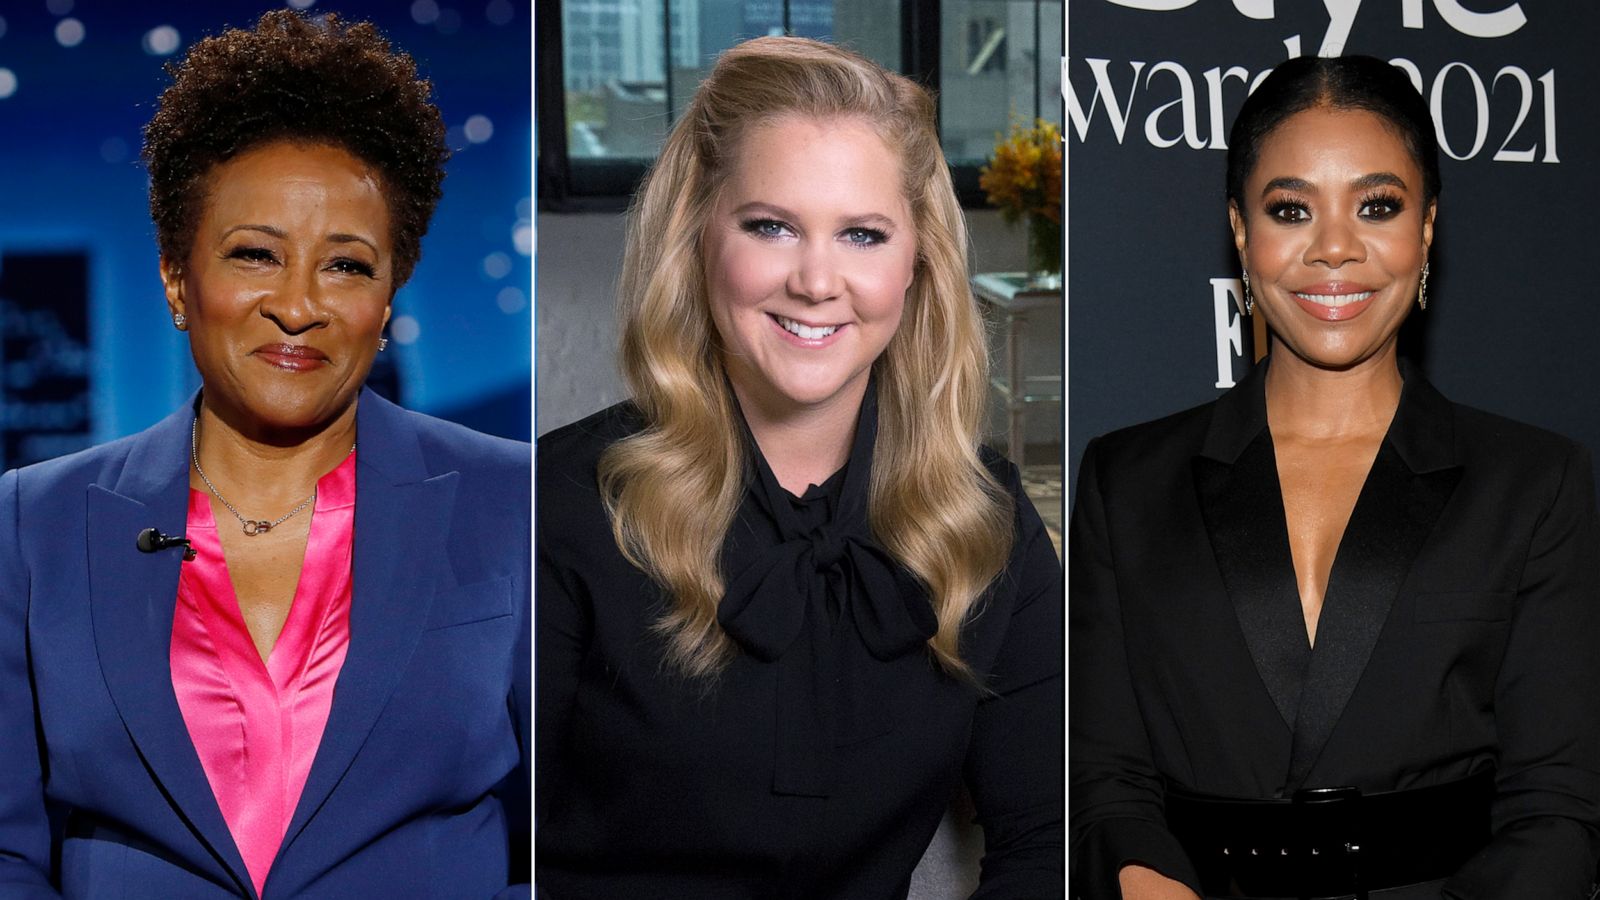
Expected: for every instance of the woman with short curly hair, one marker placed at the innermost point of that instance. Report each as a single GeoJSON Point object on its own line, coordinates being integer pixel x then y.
{"type": "Point", "coordinates": [787, 601]}
{"type": "Point", "coordinates": [276, 644]}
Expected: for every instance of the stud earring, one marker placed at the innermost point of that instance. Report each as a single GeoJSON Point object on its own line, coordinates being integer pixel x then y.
{"type": "Point", "coordinates": [383, 344]}
{"type": "Point", "coordinates": [1422, 289]}
{"type": "Point", "coordinates": [180, 321]}
{"type": "Point", "coordinates": [1249, 299]}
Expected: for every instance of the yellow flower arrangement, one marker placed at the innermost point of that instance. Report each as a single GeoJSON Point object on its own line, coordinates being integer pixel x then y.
{"type": "Point", "coordinates": [1025, 175]}
{"type": "Point", "coordinates": [1024, 180]}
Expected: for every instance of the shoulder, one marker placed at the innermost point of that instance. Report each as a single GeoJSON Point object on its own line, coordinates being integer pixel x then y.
{"type": "Point", "coordinates": [1181, 432]}
{"type": "Point", "coordinates": [571, 453]}
{"type": "Point", "coordinates": [1481, 435]}
{"type": "Point", "coordinates": [101, 464]}
{"type": "Point", "coordinates": [1526, 460]}
{"type": "Point", "coordinates": [1150, 451]}
{"type": "Point", "coordinates": [449, 446]}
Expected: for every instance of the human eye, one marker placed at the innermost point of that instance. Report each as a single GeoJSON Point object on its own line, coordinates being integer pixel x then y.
{"type": "Point", "coordinates": [251, 254]}
{"type": "Point", "coordinates": [865, 237]}
{"type": "Point", "coordinates": [1381, 206]}
{"type": "Point", "coordinates": [765, 229]}
{"type": "Point", "coordinates": [347, 266]}
{"type": "Point", "coordinates": [1289, 211]}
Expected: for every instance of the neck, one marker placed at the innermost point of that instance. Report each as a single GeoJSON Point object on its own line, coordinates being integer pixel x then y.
{"type": "Point", "coordinates": [803, 446]}
{"type": "Point", "coordinates": [262, 471]}
{"type": "Point", "coordinates": [1305, 401]}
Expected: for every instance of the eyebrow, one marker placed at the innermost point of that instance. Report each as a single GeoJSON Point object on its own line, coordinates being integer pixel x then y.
{"type": "Point", "coordinates": [337, 238]}
{"type": "Point", "coordinates": [1365, 182]}
{"type": "Point", "coordinates": [862, 219]}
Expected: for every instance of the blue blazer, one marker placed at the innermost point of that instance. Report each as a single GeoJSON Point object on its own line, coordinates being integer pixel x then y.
{"type": "Point", "coordinates": [419, 787]}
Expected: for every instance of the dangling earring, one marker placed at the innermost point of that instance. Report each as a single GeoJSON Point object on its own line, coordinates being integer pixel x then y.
{"type": "Point", "coordinates": [1422, 289]}
{"type": "Point", "coordinates": [1249, 299]}
{"type": "Point", "coordinates": [180, 321]}
{"type": "Point", "coordinates": [383, 344]}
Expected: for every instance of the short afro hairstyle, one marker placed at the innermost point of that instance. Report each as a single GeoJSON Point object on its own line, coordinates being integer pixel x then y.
{"type": "Point", "coordinates": [314, 81]}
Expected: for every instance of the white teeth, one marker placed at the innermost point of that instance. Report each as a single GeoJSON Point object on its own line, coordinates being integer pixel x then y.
{"type": "Point", "coordinates": [1334, 299]}
{"type": "Point", "coordinates": [806, 331]}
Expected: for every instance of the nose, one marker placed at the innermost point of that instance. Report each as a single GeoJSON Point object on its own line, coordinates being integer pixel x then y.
{"type": "Point", "coordinates": [1335, 242]}
{"type": "Point", "coordinates": [296, 304]}
{"type": "Point", "coordinates": [815, 275]}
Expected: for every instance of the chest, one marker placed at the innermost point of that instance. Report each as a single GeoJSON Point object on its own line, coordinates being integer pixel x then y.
{"type": "Point", "coordinates": [1419, 583]}
{"type": "Point", "coordinates": [265, 571]}
{"type": "Point", "coordinates": [1320, 483]}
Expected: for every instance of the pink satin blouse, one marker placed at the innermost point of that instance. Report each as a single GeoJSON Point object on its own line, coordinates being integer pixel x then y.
{"type": "Point", "coordinates": [257, 726]}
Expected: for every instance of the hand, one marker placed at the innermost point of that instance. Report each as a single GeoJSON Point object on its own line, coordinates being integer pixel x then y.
{"type": "Point", "coordinates": [1141, 883]}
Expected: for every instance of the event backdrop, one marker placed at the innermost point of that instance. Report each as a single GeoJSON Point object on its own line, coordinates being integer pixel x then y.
{"type": "Point", "coordinates": [1152, 86]}
{"type": "Point", "coordinates": [87, 352]}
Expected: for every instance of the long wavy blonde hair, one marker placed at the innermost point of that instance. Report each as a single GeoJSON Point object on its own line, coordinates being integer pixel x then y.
{"type": "Point", "coordinates": [673, 488]}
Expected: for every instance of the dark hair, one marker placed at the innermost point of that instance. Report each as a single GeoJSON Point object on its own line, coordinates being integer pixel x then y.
{"type": "Point", "coordinates": [1343, 82]}
{"type": "Point", "coordinates": [315, 81]}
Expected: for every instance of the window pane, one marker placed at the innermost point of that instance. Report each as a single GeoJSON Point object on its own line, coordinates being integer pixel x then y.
{"type": "Point", "coordinates": [871, 27]}
{"type": "Point", "coordinates": [613, 51]}
{"type": "Point", "coordinates": [615, 97]}
{"type": "Point", "coordinates": [999, 62]}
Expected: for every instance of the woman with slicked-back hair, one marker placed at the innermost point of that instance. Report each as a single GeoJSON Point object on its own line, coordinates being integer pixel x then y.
{"type": "Point", "coordinates": [787, 602]}
{"type": "Point", "coordinates": [1333, 635]}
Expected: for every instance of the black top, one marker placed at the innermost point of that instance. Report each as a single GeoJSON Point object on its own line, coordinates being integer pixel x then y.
{"type": "Point", "coordinates": [1458, 632]}
{"type": "Point", "coordinates": [819, 762]}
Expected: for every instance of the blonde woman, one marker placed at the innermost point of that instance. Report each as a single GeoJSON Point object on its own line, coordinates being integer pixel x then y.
{"type": "Point", "coordinates": [786, 603]}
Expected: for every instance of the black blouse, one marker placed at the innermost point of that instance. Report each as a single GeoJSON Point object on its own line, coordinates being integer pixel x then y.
{"type": "Point", "coordinates": [819, 762]}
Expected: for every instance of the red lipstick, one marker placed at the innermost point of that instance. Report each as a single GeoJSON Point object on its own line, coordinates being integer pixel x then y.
{"type": "Point", "coordinates": [291, 357]}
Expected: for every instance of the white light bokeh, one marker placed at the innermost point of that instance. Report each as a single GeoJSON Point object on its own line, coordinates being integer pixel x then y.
{"type": "Point", "coordinates": [497, 265]}
{"type": "Point", "coordinates": [499, 12]}
{"type": "Point", "coordinates": [8, 83]}
{"type": "Point", "coordinates": [69, 32]}
{"type": "Point", "coordinates": [302, 4]}
{"type": "Point", "coordinates": [58, 7]}
{"type": "Point", "coordinates": [522, 238]}
{"type": "Point", "coordinates": [405, 329]}
{"type": "Point", "coordinates": [525, 208]}
{"type": "Point", "coordinates": [161, 40]}
{"type": "Point", "coordinates": [425, 12]}
{"type": "Point", "coordinates": [478, 129]}
{"type": "Point", "coordinates": [511, 300]}
{"type": "Point", "coordinates": [2, 26]}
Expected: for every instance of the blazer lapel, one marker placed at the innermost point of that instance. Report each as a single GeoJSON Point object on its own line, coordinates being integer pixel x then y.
{"type": "Point", "coordinates": [400, 514]}
{"type": "Point", "coordinates": [1411, 480]}
{"type": "Point", "coordinates": [1236, 479]}
{"type": "Point", "coordinates": [132, 597]}
{"type": "Point", "coordinates": [1243, 510]}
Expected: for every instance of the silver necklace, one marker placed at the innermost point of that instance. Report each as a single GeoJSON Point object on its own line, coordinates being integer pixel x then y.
{"type": "Point", "coordinates": [252, 527]}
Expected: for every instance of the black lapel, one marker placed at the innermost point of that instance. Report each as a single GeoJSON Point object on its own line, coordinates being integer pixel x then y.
{"type": "Point", "coordinates": [1411, 480]}
{"type": "Point", "coordinates": [1243, 510]}
{"type": "Point", "coordinates": [1236, 478]}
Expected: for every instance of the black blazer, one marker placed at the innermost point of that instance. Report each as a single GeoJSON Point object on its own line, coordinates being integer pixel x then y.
{"type": "Point", "coordinates": [1459, 630]}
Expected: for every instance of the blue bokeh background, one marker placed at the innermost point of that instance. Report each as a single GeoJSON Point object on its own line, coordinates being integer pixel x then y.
{"type": "Point", "coordinates": [78, 80]}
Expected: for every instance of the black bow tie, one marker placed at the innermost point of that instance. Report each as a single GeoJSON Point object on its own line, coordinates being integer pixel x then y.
{"type": "Point", "coordinates": [795, 589]}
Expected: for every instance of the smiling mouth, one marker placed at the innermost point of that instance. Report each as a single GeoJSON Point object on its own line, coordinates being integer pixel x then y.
{"type": "Point", "coordinates": [291, 357]}
{"type": "Point", "coordinates": [802, 330]}
{"type": "Point", "coordinates": [1334, 299]}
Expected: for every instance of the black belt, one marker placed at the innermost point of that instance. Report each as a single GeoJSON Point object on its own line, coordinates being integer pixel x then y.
{"type": "Point", "coordinates": [1331, 842]}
